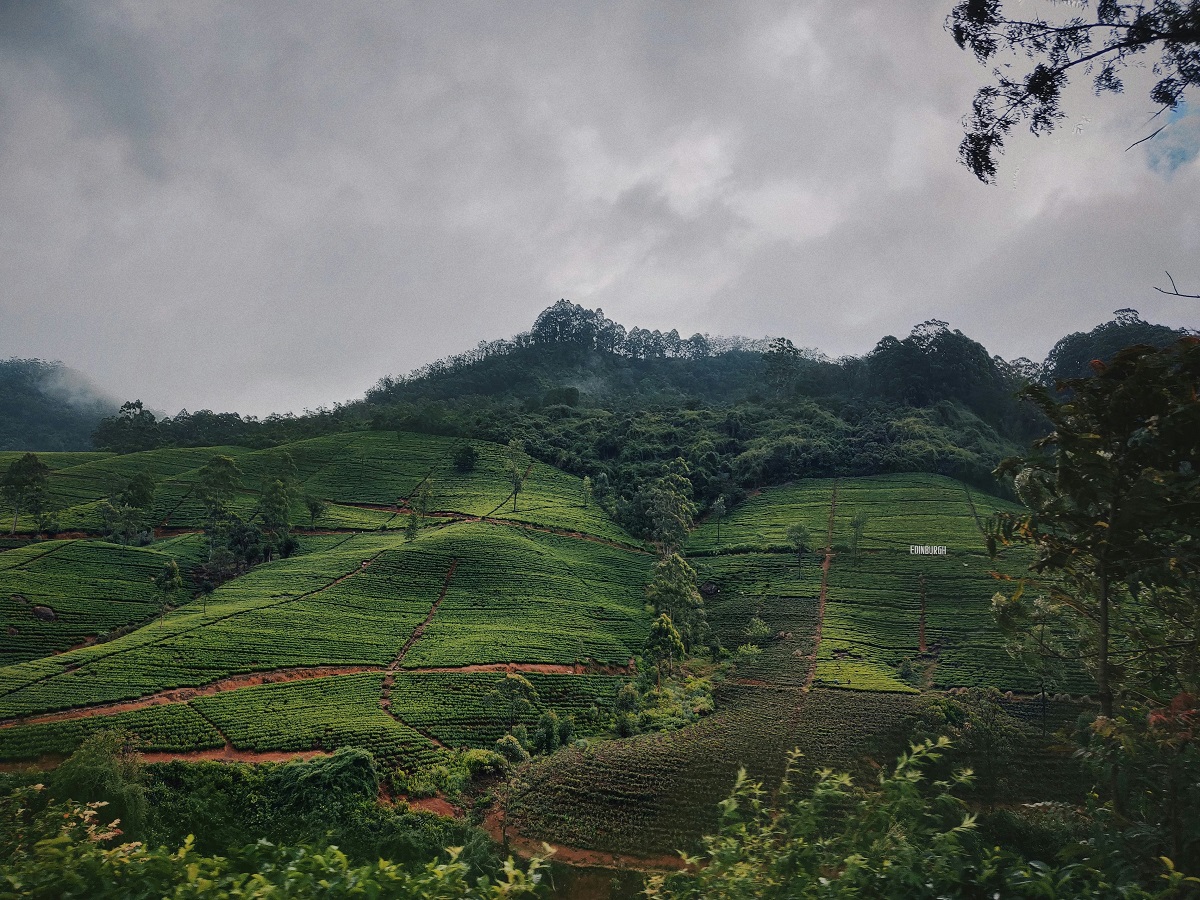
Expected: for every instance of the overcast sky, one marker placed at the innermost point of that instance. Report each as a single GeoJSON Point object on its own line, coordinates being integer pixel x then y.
{"type": "Point", "coordinates": [266, 206]}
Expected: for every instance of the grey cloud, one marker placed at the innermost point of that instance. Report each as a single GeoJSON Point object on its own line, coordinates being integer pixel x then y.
{"type": "Point", "coordinates": [268, 206]}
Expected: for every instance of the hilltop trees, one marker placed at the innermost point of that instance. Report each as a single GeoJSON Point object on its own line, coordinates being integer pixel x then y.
{"type": "Point", "coordinates": [1109, 36]}
{"type": "Point", "coordinates": [133, 428]}
{"type": "Point", "coordinates": [1072, 356]}
{"type": "Point", "coordinates": [569, 326]}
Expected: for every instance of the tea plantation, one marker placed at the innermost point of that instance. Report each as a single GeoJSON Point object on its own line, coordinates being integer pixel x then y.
{"type": "Point", "coordinates": [377, 635]}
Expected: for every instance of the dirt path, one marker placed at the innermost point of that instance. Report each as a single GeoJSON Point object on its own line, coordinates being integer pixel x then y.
{"type": "Point", "coordinates": [184, 694]}
{"type": "Point", "coordinates": [825, 565]}
{"type": "Point", "coordinates": [420, 629]}
{"type": "Point", "coordinates": [385, 699]}
{"type": "Point", "coordinates": [205, 624]}
{"type": "Point", "coordinates": [279, 676]}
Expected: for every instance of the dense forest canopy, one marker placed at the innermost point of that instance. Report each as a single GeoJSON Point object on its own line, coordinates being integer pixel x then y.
{"type": "Point", "coordinates": [620, 405]}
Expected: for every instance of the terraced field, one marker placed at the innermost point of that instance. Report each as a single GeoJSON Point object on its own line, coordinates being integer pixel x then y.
{"type": "Point", "coordinates": [871, 627]}
{"type": "Point", "coordinates": [367, 478]}
{"type": "Point", "coordinates": [367, 638]}
{"type": "Point", "coordinates": [56, 594]}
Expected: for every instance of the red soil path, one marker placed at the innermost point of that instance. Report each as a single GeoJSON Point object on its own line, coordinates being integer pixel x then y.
{"type": "Point", "coordinates": [182, 695]}
{"type": "Point", "coordinates": [825, 564]}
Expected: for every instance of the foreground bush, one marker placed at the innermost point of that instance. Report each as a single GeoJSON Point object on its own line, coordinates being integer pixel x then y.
{"type": "Point", "coordinates": [906, 837]}
{"type": "Point", "coordinates": [62, 850]}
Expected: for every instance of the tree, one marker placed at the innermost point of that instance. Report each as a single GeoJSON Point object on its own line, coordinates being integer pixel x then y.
{"type": "Point", "coordinates": [982, 736]}
{"type": "Point", "coordinates": [517, 696]}
{"type": "Point", "coordinates": [168, 583]}
{"type": "Point", "coordinates": [798, 537]}
{"type": "Point", "coordinates": [757, 630]}
{"type": "Point", "coordinates": [518, 465]}
{"type": "Point", "coordinates": [1114, 520]}
{"type": "Point", "coordinates": [422, 497]}
{"type": "Point", "coordinates": [275, 510]}
{"type": "Point", "coordinates": [672, 592]}
{"type": "Point", "coordinates": [106, 769]}
{"type": "Point", "coordinates": [858, 524]}
{"type": "Point", "coordinates": [783, 365]}
{"type": "Point", "coordinates": [316, 508]}
{"type": "Point", "coordinates": [669, 507]}
{"type": "Point", "coordinates": [127, 509]}
{"type": "Point", "coordinates": [24, 485]}
{"type": "Point", "coordinates": [585, 491]}
{"type": "Point", "coordinates": [464, 458]}
{"type": "Point", "coordinates": [220, 479]}
{"type": "Point", "coordinates": [138, 491]}
{"type": "Point", "coordinates": [133, 428]}
{"type": "Point", "coordinates": [718, 513]}
{"type": "Point", "coordinates": [1102, 41]}
{"type": "Point", "coordinates": [280, 467]}
{"type": "Point", "coordinates": [664, 645]}
{"type": "Point", "coordinates": [122, 524]}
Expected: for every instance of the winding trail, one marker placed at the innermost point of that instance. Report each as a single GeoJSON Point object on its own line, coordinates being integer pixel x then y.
{"type": "Point", "coordinates": [385, 700]}
{"type": "Point", "coordinates": [825, 566]}
{"type": "Point", "coordinates": [245, 610]}
{"type": "Point", "coordinates": [184, 694]}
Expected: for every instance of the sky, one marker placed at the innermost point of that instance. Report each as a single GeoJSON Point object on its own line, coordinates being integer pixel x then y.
{"type": "Point", "coordinates": [267, 206]}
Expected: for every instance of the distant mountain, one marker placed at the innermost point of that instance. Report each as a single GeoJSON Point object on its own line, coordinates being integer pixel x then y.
{"type": "Point", "coordinates": [48, 406]}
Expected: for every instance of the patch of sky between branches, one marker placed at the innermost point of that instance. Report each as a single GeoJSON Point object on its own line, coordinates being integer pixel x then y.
{"type": "Point", "coordinates": [1178, 143]}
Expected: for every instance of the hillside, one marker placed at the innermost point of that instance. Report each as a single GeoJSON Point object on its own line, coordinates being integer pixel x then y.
{"type": "Point", "coordinates": [47, 406]}
{"type": "Point", "coordinates": [370, 636]}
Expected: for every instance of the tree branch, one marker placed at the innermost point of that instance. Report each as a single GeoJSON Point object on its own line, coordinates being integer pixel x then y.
{"type": "Point", "coordinates": [1174, 291]}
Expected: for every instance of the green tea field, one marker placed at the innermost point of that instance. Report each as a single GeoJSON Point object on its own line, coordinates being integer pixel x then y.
{"type": "Point", "coordinates": [376, 635]}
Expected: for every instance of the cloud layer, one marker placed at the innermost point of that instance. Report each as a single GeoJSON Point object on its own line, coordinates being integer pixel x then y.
{"type": "Point", "coordinates": [266, 207]}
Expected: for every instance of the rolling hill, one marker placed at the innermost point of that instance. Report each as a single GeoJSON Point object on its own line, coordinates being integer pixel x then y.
{"type": "Point", "coordinates": [373, 636]}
